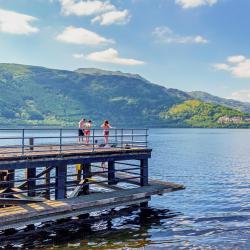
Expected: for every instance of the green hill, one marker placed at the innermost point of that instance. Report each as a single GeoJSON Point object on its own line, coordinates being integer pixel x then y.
{"type": "Point", "coordinates": [37, 95]}
{"type": "Point", "coordinates": [194, 113]}
{"type": "Point", "coordinates": [205, 97]}
{"type": "Point", "coordinates": [31, 95]}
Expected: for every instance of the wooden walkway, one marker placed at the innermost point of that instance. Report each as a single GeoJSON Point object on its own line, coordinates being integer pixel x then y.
{"type": "Point", "coordinates": [46, 182]}
{"type": "Point", "coordinates": [31, 213]}
{"type": "Point", "coordinates": [54, 151]}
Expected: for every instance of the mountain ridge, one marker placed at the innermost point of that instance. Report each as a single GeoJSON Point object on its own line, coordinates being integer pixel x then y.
{"type": "Point", "coordinates": [34, 95]}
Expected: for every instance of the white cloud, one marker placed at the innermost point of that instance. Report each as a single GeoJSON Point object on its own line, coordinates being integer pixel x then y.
{"type": "Point", "coordinates": [82, 36]}
{"type": "Point", "coordinates": [104, 11]}
{"type": "Point", "coordinates": [241, 95]}
{"type": "Point", "coordinates": [16, 23]}
{"type": "Point", "coordinates": [78, 56]}
{"type": "Point", "coordinates": [85, 7]}
{"type": "Point", "coordinates": [186, 4]}
{"type": "Point", "coordinates": [222, 66]}
{"type": "Point", "coordinates": [236, 59]}
{"type": "Point", "coordinates": [112, 56]}
{"type": "Point", "coordinates": [164, 34]}
{"type": "Point", "coordinates": [238, 66]}
{"type": "Point", "coordinates": [112, 17]}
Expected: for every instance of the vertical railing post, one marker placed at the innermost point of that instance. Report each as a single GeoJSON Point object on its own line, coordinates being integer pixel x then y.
{"type": "Point", "coordinates": [22, 141]}
{"type": "Point", "coordinates": [116, 140]}
{"type": "Point", "coordinates": [122, 138]}
{"type": "Point", "coordinates": [146, 138]}
{"type": "Point", "coordinates": [60, 140]}
{"type": "Point", "coordinates": [132, 137]}
{"type": "Point", "coordinates": [93, 141]}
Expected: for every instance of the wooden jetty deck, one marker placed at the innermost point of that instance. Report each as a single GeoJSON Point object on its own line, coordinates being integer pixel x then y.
{"type": "Point", "coordinates": [42, 180]}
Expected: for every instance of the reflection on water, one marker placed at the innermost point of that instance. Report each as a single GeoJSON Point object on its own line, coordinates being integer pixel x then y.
{"type": "Point", "coordinates": [212, 213]}
{"type": "Point", "coordinates": [118, 228]}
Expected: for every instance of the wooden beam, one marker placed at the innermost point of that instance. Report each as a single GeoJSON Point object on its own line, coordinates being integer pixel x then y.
{"type": "Point", "coordinates": [17, 201]}
{"type": "Point", "coordinates": [74, 158]}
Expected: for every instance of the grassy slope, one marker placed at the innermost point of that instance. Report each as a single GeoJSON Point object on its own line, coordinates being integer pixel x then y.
{"type": "Point", "coordinates": [194, 113]}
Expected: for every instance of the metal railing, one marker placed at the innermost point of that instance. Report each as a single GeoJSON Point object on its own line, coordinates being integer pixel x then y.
{"type": "Point", "coordinates": [98, 176]}
{"type": "Point", "coordinates": [61, 140]}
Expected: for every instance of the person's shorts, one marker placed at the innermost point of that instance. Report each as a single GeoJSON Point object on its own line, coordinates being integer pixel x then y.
{"type": "Point", "coordinates": [87, 132]}
{"type": "Point", "coordinates": [106, 132]}
{"type": "Point", "coordinates": [80, 132]}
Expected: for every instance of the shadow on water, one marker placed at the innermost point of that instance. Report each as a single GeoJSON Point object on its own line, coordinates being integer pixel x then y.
{"type": "Point", "coordinates": [127, 227]}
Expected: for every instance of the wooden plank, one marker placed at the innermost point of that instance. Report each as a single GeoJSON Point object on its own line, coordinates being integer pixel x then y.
{"type": "Point", "coordinates": [171, 185]}
{"type": "Point", "coordinates": [49, 210]}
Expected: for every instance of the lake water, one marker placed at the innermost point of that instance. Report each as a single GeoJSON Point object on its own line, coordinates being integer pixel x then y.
{"type": "Point", "coordinates": [213, 212]}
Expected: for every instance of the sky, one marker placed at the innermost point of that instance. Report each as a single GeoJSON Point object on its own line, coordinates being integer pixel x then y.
{"type": "Point", "coordinates": [185, 44]}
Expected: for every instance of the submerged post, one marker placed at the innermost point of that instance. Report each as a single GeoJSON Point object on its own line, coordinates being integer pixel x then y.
{"type": "Point", "coordinates": [144, 172]}
{"type": "Point", "coordinates": [61, 176]}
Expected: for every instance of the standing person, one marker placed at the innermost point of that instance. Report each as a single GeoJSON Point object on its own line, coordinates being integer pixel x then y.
{"type": "Point", "coordinates": [106, 126]}
{"type": "Point", "coordinates": [81, 129]}
{"type": "Point", "coordinates": [87, 127]}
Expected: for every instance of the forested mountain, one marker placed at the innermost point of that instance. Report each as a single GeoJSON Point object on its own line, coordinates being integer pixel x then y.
{"type": "Point", "coordinates": [41, 96]}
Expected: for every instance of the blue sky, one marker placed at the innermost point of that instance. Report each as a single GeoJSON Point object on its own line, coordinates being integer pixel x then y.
{"type": "Point", "coordinates": [185, 44]}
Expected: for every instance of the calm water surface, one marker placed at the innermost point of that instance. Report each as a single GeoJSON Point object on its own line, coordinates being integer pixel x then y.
{"type": "Point", "coordinates": [212, 213]}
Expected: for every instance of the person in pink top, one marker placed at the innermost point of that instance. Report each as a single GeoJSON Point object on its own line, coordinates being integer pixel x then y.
{"type": "Point", "coordinates": [106, 126]}
{"type": "Point", "coordinates": [87, 127]}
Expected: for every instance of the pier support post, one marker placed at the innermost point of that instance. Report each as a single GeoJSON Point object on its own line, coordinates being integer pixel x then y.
{"type": "Point", "coordinates": [31, 181]}
{"type": "Point", "coordinates": [11, 178]}
{"type": "Point", "coordinates": [3, 178]}
{"type": "Point", "coordinates": [111, 173]}
{"type": "Point", "coordinates": [47, 183]}
{"type": "Point", "coordinates": [86, 174]}
{"type": "Point", "coordinates": [61, 176]}
{"type": "Point", "coordinates": [144, 172]}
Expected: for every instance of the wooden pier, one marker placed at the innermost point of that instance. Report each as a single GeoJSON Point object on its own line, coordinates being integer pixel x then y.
{"type": "Point", "coordinates": [47, 175]}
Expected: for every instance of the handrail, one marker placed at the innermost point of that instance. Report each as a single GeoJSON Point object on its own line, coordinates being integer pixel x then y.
{"type": "Point", "coordinates": [37, 140]}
